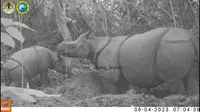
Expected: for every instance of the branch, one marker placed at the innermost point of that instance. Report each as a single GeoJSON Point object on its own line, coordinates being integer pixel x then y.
{"type": "Point", "coordinates": [173, 13]}
{"type": "Point", "coordinates": [61, 20]}
{"type": "Point", "coordinates": [196, 18]}
{"type": "Point", "coordinates": [166, 12]}
{"type": "Point", "coordinates": [106, 19]}
{"type": "Point", "coordinates": [179, 16]}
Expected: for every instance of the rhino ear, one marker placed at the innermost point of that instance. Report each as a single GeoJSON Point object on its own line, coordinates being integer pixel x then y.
{"type": "Point", "coordinates": [89, 33]}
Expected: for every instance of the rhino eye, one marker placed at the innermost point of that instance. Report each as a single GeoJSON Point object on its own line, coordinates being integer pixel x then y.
{"type": "Point", "coordinates": [71, 46]}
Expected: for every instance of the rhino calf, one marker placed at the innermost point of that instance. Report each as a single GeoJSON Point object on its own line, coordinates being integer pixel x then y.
{"type": "Point", "coordinates": [34, 60]}
{"type": "Point", "coordinates": [162, 55]}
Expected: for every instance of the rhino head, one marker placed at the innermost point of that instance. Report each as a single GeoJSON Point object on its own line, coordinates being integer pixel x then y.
{"type": "Point", "coordinates": [86, 46]}
{"type": "Point", "coordinates": [79, 48]}
{"type": "Point", "coordinates": [59, 64]}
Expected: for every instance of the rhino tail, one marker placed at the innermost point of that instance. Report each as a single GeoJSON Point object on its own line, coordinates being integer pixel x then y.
{"type": "Point", "coordinates": [196, 50]}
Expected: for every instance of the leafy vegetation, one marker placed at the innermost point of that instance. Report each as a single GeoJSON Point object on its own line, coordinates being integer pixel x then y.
{"type": "Point", "coordinates": [6, 38]}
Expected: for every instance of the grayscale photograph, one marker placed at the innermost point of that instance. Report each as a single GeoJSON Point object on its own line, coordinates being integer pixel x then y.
{"type": "Point", "coordinates": [100, 53]}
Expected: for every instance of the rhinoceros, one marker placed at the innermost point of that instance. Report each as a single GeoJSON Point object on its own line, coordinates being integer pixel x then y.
{"type": "Point", "coordinates": [162, 55]}
{"type": "Point", "coordinates": [34, 60]}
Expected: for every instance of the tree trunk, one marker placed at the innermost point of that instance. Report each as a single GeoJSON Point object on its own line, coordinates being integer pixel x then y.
{"type": "Point", "coordinates": [62, 20]}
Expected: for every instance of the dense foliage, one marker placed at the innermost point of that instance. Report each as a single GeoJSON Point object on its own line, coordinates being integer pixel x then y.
{"type": "Point", "coordinates": [105, 17]}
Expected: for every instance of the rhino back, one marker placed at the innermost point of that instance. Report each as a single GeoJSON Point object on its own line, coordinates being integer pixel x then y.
{"type": "Point", "coordinates": [175, 55]}
{"type": "Point", "coordinates": [137, 58]}
{"type": "Point", "coordinates": [45, 57]}
{"type": "Point", "coordinates": [31, 60]}
{"type": "Point", "coordinates": [108, 64]}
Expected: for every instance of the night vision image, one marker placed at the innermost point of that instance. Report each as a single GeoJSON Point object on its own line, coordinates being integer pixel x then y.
{"type": "Point", "coordinates": [100, 53]}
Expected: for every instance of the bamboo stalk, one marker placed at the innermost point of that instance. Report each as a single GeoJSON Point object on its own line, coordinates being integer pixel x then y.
{"type": "Point", "coordinates": [21, 44]}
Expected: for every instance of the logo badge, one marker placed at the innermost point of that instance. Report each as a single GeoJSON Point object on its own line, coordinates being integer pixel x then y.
{"type": "Point", "coordinates": [22, 7]}
{"type": "Point", "coordinates": [5, 105]}
{"type": "Point", "coordinates": [8, 7]}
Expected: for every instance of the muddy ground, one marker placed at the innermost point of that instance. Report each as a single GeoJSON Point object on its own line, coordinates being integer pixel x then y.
{"type": "Point", "coordinates": [85, 89]}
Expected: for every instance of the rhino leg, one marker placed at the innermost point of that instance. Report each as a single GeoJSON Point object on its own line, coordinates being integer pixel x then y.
{"type": "Point", "coordinates": [5, 81]}
{"type": "Point", "coordinates": [28, 85]}
{"type": "Point", "coordinates": [44, 78]}
{"type": "Point", "coordinates": [110, 88]}
{"type": "Point", "coordinates": [3, 84]}
{"type": "Point", "coordinates": [118, 87]}
{"type": "Point", "coordinates": [122, 84]}
{"type": "Point", "coordinates": [69, 72]}
{"type": "Point", "coordinates": [15, 76]}
{"type": "Point", "coordinates": [191, 82]}
{"type": "Point", "coordinates": [177, 87]}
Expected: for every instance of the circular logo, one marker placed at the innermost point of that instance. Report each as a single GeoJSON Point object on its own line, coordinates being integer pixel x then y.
{"type": "Point", "coordinates": [8, 7]}
{"type": "Point", "coordinates": [22, 7]}
{"type": "Point", "coordinates": [5, 104]}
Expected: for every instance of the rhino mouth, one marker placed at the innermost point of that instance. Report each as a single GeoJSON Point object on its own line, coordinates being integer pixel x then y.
{"type": "Point", "coordinates": [61, 53]}
{"type": "Point", "coordinates": [65, 54]}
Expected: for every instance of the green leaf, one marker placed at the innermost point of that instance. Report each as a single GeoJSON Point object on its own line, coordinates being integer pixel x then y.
{"type": "Point", "coordinates": [6, 22]}
{"type": "Point", "coordinates": [15, 33]}
{"type": "Point", "coordinates": [22, 25]}
{"type": "Point", "coordinates": [7, 40]}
